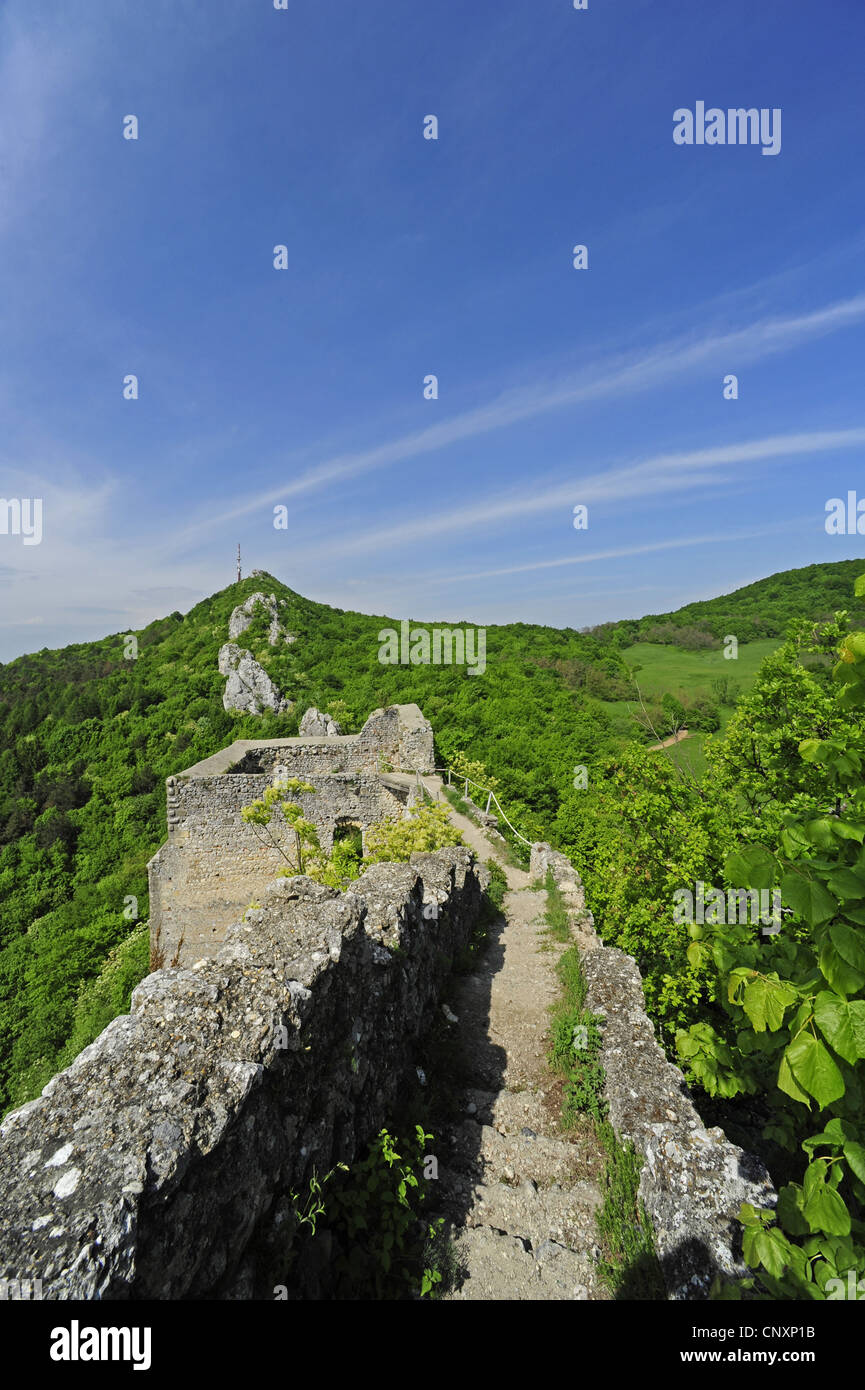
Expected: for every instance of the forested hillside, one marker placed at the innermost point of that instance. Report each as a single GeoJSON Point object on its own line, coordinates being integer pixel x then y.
{"type": "Point", "coordinates": [768, 1020]}
{"type": "Point", "coordinates": [87, 737]}
{"type": "Point", "coordinates": [756, 611]}
{"type": "Point", "coordinates": [88, 734]}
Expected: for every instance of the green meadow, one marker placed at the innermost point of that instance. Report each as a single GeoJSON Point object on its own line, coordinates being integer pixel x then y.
{"type": "Point", "coordinates": [661, 669]}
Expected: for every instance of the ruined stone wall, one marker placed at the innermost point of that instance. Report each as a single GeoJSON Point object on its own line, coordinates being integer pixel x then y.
{"type": "Point", "coordinates": [214, 863]}
{"type": "Point", "coordinates": [397, 739]}
{"type": "Point", "coordinates": [161, 1163]}
{"type": "Point", "coordinates": [303, 758]}
{"type": "Point", "coordinates": [401, 736]}
{"type": "Point", "coordinates": [693, 1180]}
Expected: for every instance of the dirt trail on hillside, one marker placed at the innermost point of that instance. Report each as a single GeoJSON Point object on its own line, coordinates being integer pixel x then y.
{"type": "Point", "coordinates": [673, 738]}
{"type": "Point", "coordinates": [518, 1196]}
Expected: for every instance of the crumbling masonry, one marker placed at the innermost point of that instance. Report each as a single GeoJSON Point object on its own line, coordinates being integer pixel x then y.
{"type": "Point", "coordinates": [213, 864]}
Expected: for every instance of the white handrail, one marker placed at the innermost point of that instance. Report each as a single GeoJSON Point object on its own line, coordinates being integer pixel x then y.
{"type": "Point", "coordinates": [468, 780]}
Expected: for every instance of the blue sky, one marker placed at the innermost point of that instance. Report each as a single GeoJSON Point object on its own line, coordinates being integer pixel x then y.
{"type": "Point", "coordinates": [407, 256]}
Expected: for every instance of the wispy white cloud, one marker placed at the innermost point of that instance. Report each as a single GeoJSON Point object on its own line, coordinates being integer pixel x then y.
{"type": "Point", "coordinates": [686, 471]}
{"type": "Point", "coordinates": [619, 376]}
{"type": "Point", "coordinates": [620, 552]}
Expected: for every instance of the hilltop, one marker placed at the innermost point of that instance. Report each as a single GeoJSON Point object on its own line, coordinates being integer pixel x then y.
{"type": "Point", "coordinates": [756, 611]}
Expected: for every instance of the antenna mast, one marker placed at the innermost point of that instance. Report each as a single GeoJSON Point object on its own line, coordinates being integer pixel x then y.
{"type": "Point", "coordinates": [238, 562]}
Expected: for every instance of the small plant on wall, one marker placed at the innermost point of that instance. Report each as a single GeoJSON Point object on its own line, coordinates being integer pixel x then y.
{"type": "Point", "coordinates": [303, 850]}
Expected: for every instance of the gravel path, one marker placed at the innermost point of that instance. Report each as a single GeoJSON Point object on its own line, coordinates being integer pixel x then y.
{"type": "Point", "coordinates": [517, 1194]}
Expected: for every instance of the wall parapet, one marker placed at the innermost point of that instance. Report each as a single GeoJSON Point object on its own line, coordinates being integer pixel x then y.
{"type": "Point", "coordinates": [693, 1180]}
{"type": "Point", "coordinates": [161, 1163]}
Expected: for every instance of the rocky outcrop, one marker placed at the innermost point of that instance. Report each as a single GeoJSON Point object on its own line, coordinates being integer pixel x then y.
{"type": "Point", "coordinates": [165, 1163]}
{"type": "Point", "coordinates": [315, 724]}
{"type": "Point", "coordinates": [693, 1180]}
{"type": "Point", "coordinates": [244, 613]}
{"type": "Point", "coordinates": [248, 688]}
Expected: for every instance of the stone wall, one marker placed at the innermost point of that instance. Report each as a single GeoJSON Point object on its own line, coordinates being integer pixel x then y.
{"type": "Point", "coordinates": [161, 1163]}
{"type": "Point", "coordinates": [693, 1180]}
{"type": "Point", "coordinates": [214, 864]}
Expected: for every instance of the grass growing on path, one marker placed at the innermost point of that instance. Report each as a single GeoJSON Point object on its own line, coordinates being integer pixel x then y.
{"type": "Point", "coordinates": [556, 916]}
{"type": "Point", "coordinates": [629, 1265]}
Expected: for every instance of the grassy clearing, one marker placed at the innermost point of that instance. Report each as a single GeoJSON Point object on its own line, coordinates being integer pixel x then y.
{"type": "Point", "coordinates": [663, 668]}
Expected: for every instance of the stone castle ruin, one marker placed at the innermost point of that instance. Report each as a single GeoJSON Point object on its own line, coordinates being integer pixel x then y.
{"type": "Point", "coordinates": [166, 1160]}
{"type": "Point", "coordinates": [213, 863]}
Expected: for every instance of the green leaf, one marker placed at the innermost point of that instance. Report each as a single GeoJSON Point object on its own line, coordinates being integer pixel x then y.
{"type": "Point", "coordinates": [846, 885]}
{"type": "Point", "coordinates": [752, 867]}
{"type": "Point", "coordinates": [841, 976]}
{"type": "Point", "coordinates": [815, 1177]}
{"type": "Point", "coordinates": [695, 953]}
{"type": "Point", "coordinates": [847, 830]}
{"type": "Point", "coordinates": [808, 898]}
{"type": "Point", "coordinates": [825, 1211]}
{"type": "Point", "coordinates": [849, 943]}
{"type": "Point", "coordinates": [773, 1251]}
{"type": "Point", "coordinates": [813, 1069]}
{"type": "Point", "coordinates": [789, 1210]}
{"type": "Point", "coordinates": [815, 750]}
{"type": "Point", "coordinates": [788, 1084]}
{"type": "Point", "coordinates": [835, 1133]}
{"type": "Point", "coordinates": [842, 1024]}
{"type": "Point", "coordinates": [855, 1156]}
{"type": "Point", "coordinates": [818, 832]}
{"type": "Point", "coordinates": [766, 1001]}
{"type": "Point", "coordinates": [854, 692]}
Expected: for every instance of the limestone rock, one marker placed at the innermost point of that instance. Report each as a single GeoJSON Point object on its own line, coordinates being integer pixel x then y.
{"type": "Point", "coordinates": [693, 1180]}
{"type": "Point", "coordinates": [244, 613]}
{"type": "Point", "coordinates": [316, 724]}
{"type": "Point", "coordinates": [248, 687]}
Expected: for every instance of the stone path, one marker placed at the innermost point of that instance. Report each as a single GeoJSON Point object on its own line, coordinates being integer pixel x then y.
{"type": "Point", "coordinates": [518, 1196]}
